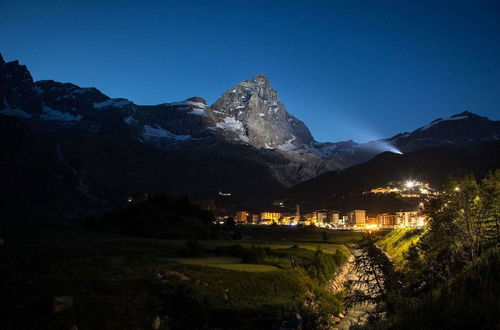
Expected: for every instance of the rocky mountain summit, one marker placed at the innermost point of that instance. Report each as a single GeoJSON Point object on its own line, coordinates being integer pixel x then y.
{"type": "Point", "coordinates": [251, 112]}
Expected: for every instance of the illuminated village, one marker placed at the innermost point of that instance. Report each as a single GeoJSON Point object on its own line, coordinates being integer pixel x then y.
{"type": "Point", "coordinates": [357, 219]}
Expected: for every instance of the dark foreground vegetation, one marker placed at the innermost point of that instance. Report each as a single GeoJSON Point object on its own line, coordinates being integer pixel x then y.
{"type": "Point", "coordinates": [158, 216]}
{"type": "Point", "coordinates": [182, 272]}
{"type": "Point", "coordinates": [449, 272]}
{"type": "Point", "coordinates": [119, 282]}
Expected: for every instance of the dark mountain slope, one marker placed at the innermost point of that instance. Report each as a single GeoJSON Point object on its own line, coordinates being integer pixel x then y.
{"type": "Point", "coordinates": [343, 189]}
{"type": "Point", "coordinates": [72, 175]}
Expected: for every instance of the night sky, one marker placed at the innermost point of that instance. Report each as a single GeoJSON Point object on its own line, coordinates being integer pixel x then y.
{"type": "Point", "coordinates": [349, 69]}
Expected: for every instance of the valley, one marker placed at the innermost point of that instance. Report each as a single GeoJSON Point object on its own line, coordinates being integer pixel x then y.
{"type": "Point", "coordinates": [260, 165]}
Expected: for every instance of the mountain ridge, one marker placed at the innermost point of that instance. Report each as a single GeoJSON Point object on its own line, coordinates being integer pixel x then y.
{"type": "Point", "coordinates": [248, 113]}
{"type": "Point", "coordinates": [246, 132]}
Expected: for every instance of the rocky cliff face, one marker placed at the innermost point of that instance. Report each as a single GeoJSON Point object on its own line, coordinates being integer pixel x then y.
{"type": "Point", "coordinates": [17, 92]}
{"type": "Point", "coordinates": [251, 112]}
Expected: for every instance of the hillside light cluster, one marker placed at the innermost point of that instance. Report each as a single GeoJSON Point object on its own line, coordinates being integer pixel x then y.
{"type": "Point", "coordinates": [410, 184]}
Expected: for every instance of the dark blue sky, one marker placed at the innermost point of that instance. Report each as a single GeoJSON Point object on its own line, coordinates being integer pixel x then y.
{"type": "Point", "coordinates": [348, 69]}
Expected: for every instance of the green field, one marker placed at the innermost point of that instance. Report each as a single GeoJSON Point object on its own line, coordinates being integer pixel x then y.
{"type": "Point", "coordinates": [397, 242]}
{"type": "Point", "coordinates": [227, 263]}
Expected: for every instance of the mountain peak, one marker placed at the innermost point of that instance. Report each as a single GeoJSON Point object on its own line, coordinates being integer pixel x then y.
{"type": "Point", "coordinates": [466, 114]}
{"type": "Point", "coordinates": [197, 99]}
{"type": "Point", "coordinates": [17, 90]}
{"type": "Point", "coordinates": [252, 112]}
{"type": "Point", "coordinates": [261, 78]}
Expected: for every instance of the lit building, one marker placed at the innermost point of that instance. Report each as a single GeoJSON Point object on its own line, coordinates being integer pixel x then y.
{"type": "Point", "coordinates": [410, 195]}
{"type": "Point", "coordinates": [344, 220]}
{"type": "Point", "coordinates": [421, 221]}
{"type": "Point", "coordinates": [357, 218]}
{"type": "Point", "coordinates": [241, 216]}
{"type": "Point", "coordinates": [255, 218]}
{"type": "Point", "coordinates": [288, 220]}
{"type": "Point", "coordinates": [381, 190]}
{"type": "Point", "coordinates": [334, 218]}
{"type": "Point", "coordinates": [386, 220]}
{"type": "Point", "coordinates": [309, 218]}
{"type": "Point", "coordinates": [272, 216]}
{"type": "Point", "coordinates": [321, 217]}
{"type": "Point", "coordinates": [407, 219]}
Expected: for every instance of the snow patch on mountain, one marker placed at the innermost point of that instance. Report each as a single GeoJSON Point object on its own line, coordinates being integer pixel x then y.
{"type": "Point", "coordinates": [230, 124]}
{"type": "Point", "coordinates": [14, 112]}
{"type": "Point", "coordinates": [440, 120]}
{"type": "Point", "coordinates": [118, 103]}
{"type": "Point", "coordinates": [51, 114]}
{"type": "Point", "coordinates": [243, 138]}
{"type": "Point", "coordinates": [159, 132]}
{"type": "Point", "coordinates": [81, 90]}
{"type": "Point", "coordinates": [198, 112]}
{"type": "Point", "coordinates": [130, 120]}
{"type": "Point", "coordinates": [199, 105]}
{"type": "Point", "coordinates": [324, 151]}
{"type": "Point", "coordinates": [288, 145]}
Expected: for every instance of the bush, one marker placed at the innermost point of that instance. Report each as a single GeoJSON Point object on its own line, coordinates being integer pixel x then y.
{"type": "Point", "coordinates": [322, 266]}
{"type": "Point", "coordinates": [256, 254]}
{"type": "Point", "coordinates": [192, 248]}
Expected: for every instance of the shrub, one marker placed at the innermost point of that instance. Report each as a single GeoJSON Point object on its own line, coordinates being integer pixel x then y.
{"type": "Point", "coordinates": [256, 254]}
{"type": "Point", "coordinates": [192, 248]}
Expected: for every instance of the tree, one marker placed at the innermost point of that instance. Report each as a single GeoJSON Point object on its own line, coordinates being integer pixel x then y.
{"type": "Point", "coordinates": [465, 209]}
{"type": "Point", "coordinates": [463, 223]}
{"type": "Point", "coordinates": [374, 276]}
{"type": "Point", "coordinates": [489, 192]}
